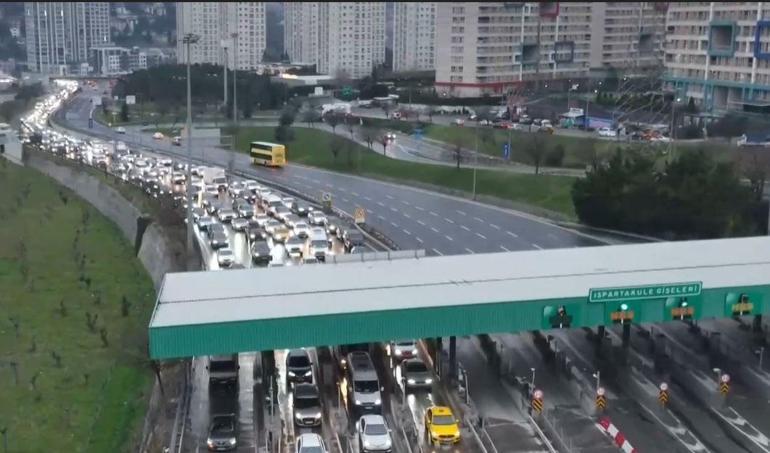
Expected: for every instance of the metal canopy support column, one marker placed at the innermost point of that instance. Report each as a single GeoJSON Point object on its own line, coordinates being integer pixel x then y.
{"type": "Point", "coordinates": [599, 336]}
{"type": "Point", "coordinates": [626, 334]}
{"type": "Point", "coordinates": [439, 353]}
{"type": "Point", "coordinates": [452, 359]}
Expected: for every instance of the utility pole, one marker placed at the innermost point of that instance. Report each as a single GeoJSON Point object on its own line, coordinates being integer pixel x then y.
{"type": "Point", "coordinates": [224, 70]}
{"type": "Point", "coordinates": [188, 40]}
{"type": "Point", "coordinates": [231, 161]}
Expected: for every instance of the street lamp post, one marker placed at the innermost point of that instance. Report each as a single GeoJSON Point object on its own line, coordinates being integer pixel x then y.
{"type": "Point", "coordinates": [598, 377]}
{"type": "Point", "coordinates": [224, 70]}
{"type": "Point", "coordinates": [235, 72]}
{"type": "Point", "coordinates": [188, 40]}
{"type": "Point", "coordinates": [476, 158]}
{"type": "Point", "coordinates": [533, 377]}
{"type": "Point", "coordinates": [671, 133]}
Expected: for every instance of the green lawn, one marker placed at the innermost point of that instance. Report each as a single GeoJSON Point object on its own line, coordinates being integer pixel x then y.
{"type": "Point", "coordinates": [312, 147]}
{"type": "Point", "coordinates": [61, 262]}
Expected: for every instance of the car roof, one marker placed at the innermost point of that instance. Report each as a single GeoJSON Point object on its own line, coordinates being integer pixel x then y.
{"type": "Point", "coordinates": [306, 390]}
{"type": "Point", "coordinates": [373, 419]}
{"type": "Point", "coordinates": [310, 440]}
{"type": "Point", "coordinates": [303, 352]}
{"type": "Point", "coordinates": [441, 410]}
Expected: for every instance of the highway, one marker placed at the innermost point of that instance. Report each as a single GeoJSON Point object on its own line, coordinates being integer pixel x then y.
{"type": "Point", "coordinates": [411, 217]}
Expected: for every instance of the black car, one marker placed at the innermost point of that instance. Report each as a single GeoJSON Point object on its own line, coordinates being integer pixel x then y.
{"type": "Point", "coordinates": [333, 225]}
{"type": "Point", "coordinates": [299, 368]}
{"type": "Point", "coordinates": [223, 435]}
{"type": "Point", "coordinates": [300, 208]}
{"type": "Point", "coordinates": [352, 238]}
{"type": "Point", "coordinates": [256, 233]}
{"type": "Point", "coordinates": [216, 228]}
{"type": "Point", "coordinates": [260, 252]}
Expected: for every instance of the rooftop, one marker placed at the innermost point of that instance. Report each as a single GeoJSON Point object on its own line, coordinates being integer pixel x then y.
{"type": "Point", "coordinates": [193, 298]}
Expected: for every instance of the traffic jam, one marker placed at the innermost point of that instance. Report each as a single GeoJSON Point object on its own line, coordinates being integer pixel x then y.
{"type": "Point", "coordinates": [240, 223]}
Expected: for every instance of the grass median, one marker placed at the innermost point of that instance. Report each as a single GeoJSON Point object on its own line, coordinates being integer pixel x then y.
{"type": "Point", "coordinates": [75, 306]}
{"type": "Point", "coordinates": [315, 147]}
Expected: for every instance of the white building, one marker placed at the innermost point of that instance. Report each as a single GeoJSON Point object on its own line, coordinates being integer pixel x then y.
{"type": "Point", "coordinates": [341, 38]}
{"type": "Point", "coordinates": [60, 34]}
{"type": "Point", "coordinates": [215, 23]}
{"type": "Point", "coordinates": [414, 36]}
{"type": "Point", "coordinates": [490, 48]}
{"type": "Point", "coordinates": [718, 53]}
{"type": "Point", "coordinates": [300, 31]}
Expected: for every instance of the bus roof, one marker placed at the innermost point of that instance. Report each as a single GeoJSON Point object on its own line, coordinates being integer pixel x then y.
{"type": "Point", "coordinates": [266, 144]}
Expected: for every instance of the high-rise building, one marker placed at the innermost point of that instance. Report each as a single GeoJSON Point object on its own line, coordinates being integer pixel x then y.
{"type": "Point", "coordinates": [489, 48]}
{"type": "Point", "coordinates": [718, 53]}
{"type": "Point", "coordinates": [414, 36]}
{"type": "Point", "coordinates": [341, 38]}
{"type": "Point", "coordinates": [215, 23]}
{"type": "Point", "coordinates": [300, 31]}
{"type": "Point", "coordinates": [60, 35]}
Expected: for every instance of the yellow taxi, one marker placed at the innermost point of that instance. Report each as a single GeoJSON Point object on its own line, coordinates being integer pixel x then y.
{"type": "Point", "coordinates": [441, 427]}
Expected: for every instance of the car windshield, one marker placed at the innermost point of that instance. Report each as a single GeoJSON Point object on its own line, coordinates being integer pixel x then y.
{"type": "Point", "coordinates": [306, 402]}
{"type": "Point", "coordinates": [319, 244]}
{"type": "Point", "coordinates": [299, 361]}
{"type": "Point", "coordinates": [222, 366]}
{"type": "Point", "coordinates": [443, 420]}
{"type": "Point", "coordinates": [225, 252]}
{"type": "Point", "coordinates": [405, 343]}
{"type": "Point", "coordinates": [301, 225]}
{"type": "Point", "coordinates": [222, 425]}
{"type": "Point", "coordinates": [375, 429]}
{"type": "Point", "coordinates": [365, 386]}
{"type": "Point", "coordinates": [416, 367]}
{"type": "Point", "coordinates": [311, 450]}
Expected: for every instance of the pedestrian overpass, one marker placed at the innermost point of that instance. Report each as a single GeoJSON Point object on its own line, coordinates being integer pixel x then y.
{"type": "Point", "coordinates": [207, 313]}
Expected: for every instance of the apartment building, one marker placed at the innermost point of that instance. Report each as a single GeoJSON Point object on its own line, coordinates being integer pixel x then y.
{"type": "Point", "coordinates": [345, 39]}
{"type": "Point", "coordinates": [215, 23]}
{"type": "Point", "coordinates": [414, 36]}
{"type": "Point", "coordinates": [718, 53]}
{"type": "Point", "coordinates": [60, 35]}
{"type": "Point", "coordinates": [491, 48]}
{"type": "Point", "coordinates": [300, 31]}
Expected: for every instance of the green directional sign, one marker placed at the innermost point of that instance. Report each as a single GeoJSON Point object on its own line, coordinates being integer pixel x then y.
{"type": "Point", "coordinates": [685, 289]}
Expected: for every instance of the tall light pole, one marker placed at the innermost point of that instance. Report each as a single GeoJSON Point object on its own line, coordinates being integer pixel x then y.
{"type": "Point", "coordinates": [235, 72]}
{"type": "Point", "coordinates": [224, 70]}
{"type": "Point", "coordinates": [671, 133]}
{"type": "Point", "coordinates": [188, 40]}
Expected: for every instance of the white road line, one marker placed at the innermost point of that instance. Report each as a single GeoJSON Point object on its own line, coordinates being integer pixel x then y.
{"type": "Point", "coordinates": [449, 238]}
{"type": "Point", "coordinates": [461, 212]}
{"type": "Point", "coordinates": [480, 235]}
{"type": "Point", "coordinates": [370, 211]}
{"type": "Point", "coordinates": [381, 204]}
{"type": "Point", "coordinates": [434, 230]}
{"type": "Point", "coordinates": [469, 250]}
{"type": "Point", "coordinates": [395, 225]}
{"type": "Point", "coordinates": [433, 214]}
{"type": "Point", "coordinates": [316, 181]}
{"type": "Point", "coordinates": [421, 222]}
{"type": "Point", "coordinates": [354, 194]}
{"type": "Point", "coordinates": [537, 246]}
{"type": "Point", "coordinates": [345, 200]}
{"type": "Point", "coordinates": [438, 253]}
{"type": "Point", "coordinates": [381, 217]}
{"type": "Point", "coordinates": [418, 239]}
{"type": "Point", "coordinates": [393, 209]}
{"type": "Point", "coordinates": [449, 220]}
{"type": "Point", "coordinates": [342, 189]}
{"type": "Point", "coordinates": [406, 202]}
{"type": "Point", "coordinates": [419, 208]}
{"type": "Point", "coordinates": [512, 234]}
{"type": "Point", "coordinates": [407, 232]}
{"type": "Point", "coordinates": [389, 197]}
{"type": "Point", "coordinates": [479, 219]}
{"type": "Point", "coordinates": [503, 247]}
{"type": "Point", "coordinates": [329, 185]}
{"type": "Point", "coordinates": [406, 215]}
{"type": "Point", "coordinates": [367, 198]}
{"type": "Point", "coordinates": [494, 226]}
{"type": "Point", "coordinates": [465, 228]}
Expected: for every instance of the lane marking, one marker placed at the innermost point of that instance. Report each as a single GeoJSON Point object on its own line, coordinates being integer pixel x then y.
{"type": "Point", "coordinates": [395, 225]}
{"type": "Point", "coordinates": [449, 237]}
{"type": "Point", "coordinates": [354, 194]}
{"type": "Point", "coordinates": [407, 232]}
{"type": "Point", "coordinates": [418, 239]}
{"type": "Point", "coordinates": [480, 235]}
{"type": "Point", "coordinates": [367, 198]}
{"type": "Point", "coordinates": [381, 204]}
{"type": "Point", "coordinates": [406, 215]}
{"type": "Point", "coordinates": [393, 209]}
{"type": "Point", "coordinates": [479, 219]}
{"type": "Point", "coordinates": [469, 250]}
{"type": "Point", "coordinates": [537, 246]}
{"type": "Point", "coordinates": [381, 217]}
{"type": "Point", "coordinates": [316, 181]}
{"type": "Point", "coordinates": [434, 230]}
{"type": "Point", "coordinates": [389, 197]}
{"type": "Point", "coordinates": [345, 200]}
{"type": "Point", "coordinates": [406, 202]}
{"type": "Point", "coordinates": [465, 228]}
{"type": "Point", "coordinates": [421, 222]}
{"type": "Point", "coordinates": [461, 212]}
{"type": "Point", "coordinates": [370, 211]}
{"type": "Point", "coordinates": [494, 226]}
{"type": "Point", "coordinates": [433, 214]}
{"type": "Point", "coordinates": [419, 208]}
{"type": "Point", "coordinates": [512, 234]}
{"type": "Point", "coordinates": [438, 253]}
{"type": "Point", "coordinates": [503, 247]}
{"type": "Point", "coordinates": [449, 220]}
{"type": "Point", "coordinates": [342, 189]}
{"type": "Point", "coordinates": [329, 185]}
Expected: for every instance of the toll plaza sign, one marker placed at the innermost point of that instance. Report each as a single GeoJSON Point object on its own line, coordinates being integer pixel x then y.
{"type": "Point", "coordinates": [687, 289]}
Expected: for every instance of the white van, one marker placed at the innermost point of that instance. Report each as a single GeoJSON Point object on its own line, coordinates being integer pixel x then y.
{"type": "Point", "coordinates": [318, 243]}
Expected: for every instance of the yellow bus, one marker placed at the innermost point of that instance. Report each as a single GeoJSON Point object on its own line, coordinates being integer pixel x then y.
{"type": "Point", "coordinates": [269, 154]}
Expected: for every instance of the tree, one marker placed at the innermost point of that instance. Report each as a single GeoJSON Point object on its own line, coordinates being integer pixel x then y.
{"type": "Point", "coordinates": [332, 119]}
{"type": "Point", "coordinates": [536, 150]}
{"type": "Point", "coordinates": [729, 126]}
{"type": "Point", "coordinates": [336, 145]}
{"type": "Point", "coordinates": [457, 145]}
{"type": "Point", "coordinates": [386, 107]}
{"type": "Point", "coordinates": [287, 117]}
{"type": "Point", "coordinates": [754, 164]}
{"type": "Point", "coordinates": [284, 134]}
{"type": "Point", "coordinates": [368, 135]}
{"type": "Point", "coordinates": [311, 116]}
{"type": "Point", "coordinates": [124, 112]}
{"type": "Point", "coordinates": [555, 158]}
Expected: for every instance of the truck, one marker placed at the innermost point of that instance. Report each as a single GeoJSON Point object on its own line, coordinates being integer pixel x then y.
{"type": "Point", "coordinates": [215, 176]}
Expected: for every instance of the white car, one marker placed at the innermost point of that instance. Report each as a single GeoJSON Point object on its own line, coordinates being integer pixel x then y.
{"type": "Point", "coordinates": [120, 130]}
{"type": "Point", "coordinates": [606, 132]}
{"type": "Point", "coordinates": [225, 257]}
{"type": "Point", "coordinates": [261, 219]}
{"type": "Point", "coordinates": [158, 136]}
{"type": "Point", "coordinates": [373, 434]}
{"type": "Point", "coordinates": [316, 218]}
{"type": "Point", "coordinates": [239, 224]}
{"type": "Point", "coordinates": [403, 349]}
{"type": "Point", "coordinates": [310, 443]}
{"type": "Point", "coordinates": [301, 229]}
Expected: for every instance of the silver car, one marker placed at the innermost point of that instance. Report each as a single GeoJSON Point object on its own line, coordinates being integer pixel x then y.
{"type": "Point", "coordinates": [374, 435]}
{"type": "Point", "coordinates": [307, 405]}
{"type": "Point", "coordinates": [415, 375]}
{"type": "Point", "coordinates": [239, 224]}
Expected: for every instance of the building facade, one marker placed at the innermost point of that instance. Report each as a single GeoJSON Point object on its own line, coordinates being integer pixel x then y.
{"type": "Point", "coordinates": [414, 36]}
{"type": "Point", "coordinates": [215, 23]}
{"type": "Point", "coordinates": [300, 31]}
{"type": "Point", "coordinates": [491, 48]}
{"type": "Point", "coordinates": [718, 53]}
{"type": "Point", "coordinates": [60, 35]}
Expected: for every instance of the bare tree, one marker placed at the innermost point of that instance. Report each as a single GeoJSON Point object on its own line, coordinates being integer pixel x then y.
{"type": "Point", "coordinates": [311, 116]}
{"type": "Point", "coordinates": [383, 137]}
{"type": "Point", "coordinates": [754, 164]}
{"type": "Point", "coordinates": [333, 120]}
{"type": "Point", "coordinates": [536, 150]}
{"type": "Point", "coordinates": [368, 135]}
{"type": "Point", "coordinates": [336, 145]}
{"type": "Point", "coordinates": [457, 145]}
